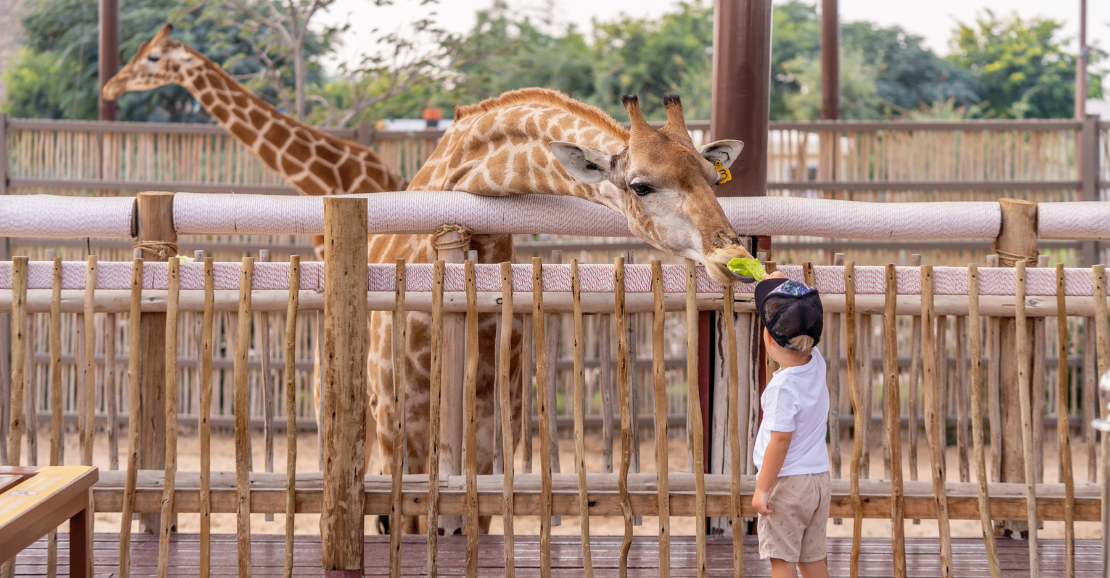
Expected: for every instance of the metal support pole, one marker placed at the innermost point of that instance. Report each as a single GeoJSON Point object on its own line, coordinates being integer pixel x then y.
{"type": "Point", "coordinates": [1081, 65]}
{"type": "Point", "coordinates": [1088, 166]}
{"type": "Point", "coordinates": [830, 60]}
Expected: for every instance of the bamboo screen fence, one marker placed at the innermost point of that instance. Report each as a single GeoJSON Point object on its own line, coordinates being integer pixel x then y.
{"type": "Point", "coordinates": [977, 298]}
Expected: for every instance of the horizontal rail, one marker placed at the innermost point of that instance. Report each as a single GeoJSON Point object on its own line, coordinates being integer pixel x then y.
{"type": "Point", "coordinates": [267, 495]}
{"type": "Point", "coordinates": [1000, 185]}
{"type": "Point", "coordinates": [154, 301]}
{"type": "Point", "coordinates": [142, 186]}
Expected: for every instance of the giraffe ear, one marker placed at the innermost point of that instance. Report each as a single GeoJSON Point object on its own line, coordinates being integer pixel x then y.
{"type": "Point", "coordinates": [725, 151]}
{"type": "Point", "coordinates": [584, 163]}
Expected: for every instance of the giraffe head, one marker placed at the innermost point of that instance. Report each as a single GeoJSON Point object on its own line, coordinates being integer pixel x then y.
{"type": "Point", "coordinates": [664, 186]}
{"type": "Point", "coordinates": [159, 61]}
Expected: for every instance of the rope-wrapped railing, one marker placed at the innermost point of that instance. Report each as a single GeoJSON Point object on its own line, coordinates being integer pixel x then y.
{"type": "Point", "coordinates": [905, 291]}
{"type": "Point", "coordinates": [414, 211]}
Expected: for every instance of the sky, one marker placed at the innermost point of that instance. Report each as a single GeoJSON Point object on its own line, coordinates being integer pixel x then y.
{"type": "Point", "coordinates": [933, 19]}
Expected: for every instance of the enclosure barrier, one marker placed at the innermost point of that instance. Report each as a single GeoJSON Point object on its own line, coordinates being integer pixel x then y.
{"type": "Point", "coordinates": [929, 293]}
{"type": "Point", "coordinates": [845, 290]}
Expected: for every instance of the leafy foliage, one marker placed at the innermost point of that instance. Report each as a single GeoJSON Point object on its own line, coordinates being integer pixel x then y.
{"type": "Point", "coordinates": [1022, 65]}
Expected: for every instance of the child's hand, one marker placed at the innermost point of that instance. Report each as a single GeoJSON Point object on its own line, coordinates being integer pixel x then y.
{"type": "Point", "coordinates": [775, 275]}
{"type": "Point", "coordinates": [761, 501]}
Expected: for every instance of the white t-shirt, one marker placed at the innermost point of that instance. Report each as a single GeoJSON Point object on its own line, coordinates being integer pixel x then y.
{"type": "Point", "coordinates": [797, 400]}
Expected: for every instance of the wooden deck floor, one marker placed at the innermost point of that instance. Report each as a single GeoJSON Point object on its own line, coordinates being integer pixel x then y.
{"type": "Point", "coordinates": [268, 556]}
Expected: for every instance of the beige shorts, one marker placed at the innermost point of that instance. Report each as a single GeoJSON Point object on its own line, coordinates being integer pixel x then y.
{"type": "Point", "coordinates": [795, 530]}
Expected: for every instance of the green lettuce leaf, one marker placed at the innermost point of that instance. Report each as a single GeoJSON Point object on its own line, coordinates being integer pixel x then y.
{"type": "Point", "coordinates": [748, 268]}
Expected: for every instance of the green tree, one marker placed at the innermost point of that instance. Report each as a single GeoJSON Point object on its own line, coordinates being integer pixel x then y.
{"type": "Point", "coordinates": [1024, 69]}
{"type": "Point", "coordinates": [795, 34]}
{"type": "Point", "coordinates": [859, 98]}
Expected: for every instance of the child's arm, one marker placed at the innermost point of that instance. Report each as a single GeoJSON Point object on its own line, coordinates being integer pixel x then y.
{"type": "Point", "coordinates": [773, 459]}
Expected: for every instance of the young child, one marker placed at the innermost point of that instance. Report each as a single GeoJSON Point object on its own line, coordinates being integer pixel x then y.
{"type": "Point", "coordinates": [793, 489]}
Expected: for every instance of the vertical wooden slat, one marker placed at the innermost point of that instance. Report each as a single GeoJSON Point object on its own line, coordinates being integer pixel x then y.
{"type": "Point", "coordinates": [56, 434]}
{"type": "Point", "coordinates": [994, 385]}
{"type": "Point", "coordinates": [1063, 430]}
{"type": "Point", "coordinates": [1040, 385]}
{"type": "Point", "coordinates": [133, 371]}
{"type": "Point", "coordinates": [291, 408]}
{"type": "Point", "coordinates": [913, 389]}
{"type": "Point", "coordinates": [207, 346]}
{"type": "Point", "coordinates": [242, 420]}
{"type": "Point", "coordinates": [435, 379]}
{"type": "Point", "coordinates": [169, 484]}
{"type": "Point", "coordinates": [832, 358]}
{"type": "Point", "coordinates": [626, 425]}
{"type": "Point", "coordinates": [470, 422]}
{"type": "Point", "coordinates": [605, 351]}
{"type": "Point", "coordinates": [857, 411]}
{"type": "Point", "coordinates": [507, 414]}
{"type": "Point", "coordinates": [30, 395]}
{"type": "Point", "coordinates": [866, 391]}
{"type": "Point", "coordinates": [694, 400]}
{"type": "Point", "coordinates": [961, 397]}
{"type": "Point", "coordinates": [580, 418]}
{"type": "Point", "coordinates": [526, 392]}
{"type": "Point", "coordinates": [1102, 334]}
{"type": "Point", "coordinates": [934, 418]}
{"type": "Point", "coordinates": [18, 375]}
{"type": "Point", "coordinates": [397, 468]}
{"type": "Point", "coordinates": [89, 394]}
{"type": "Point", "coordinates": [554, 323]}
{"type": "Point", "coordinates": [1026, 409]}
{"type": "Point", "coordinates": [733, 428]}
{"type": "Point", "coordinates": [540, 345]}
{"type": "Point", "coordinates": [974, 334]}
{"type": "Point", "coordinates": [662, 433]}
{"type": "Point", "coordinates": [266, 385]}
{"type": "Point", "coordinates": [111, 389]}
{"type": "Point", "coordinates": [894, 422]}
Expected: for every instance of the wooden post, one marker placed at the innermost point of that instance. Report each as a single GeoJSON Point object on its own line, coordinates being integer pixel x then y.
{"type": "Point", "coordinates": [934, 418]}
{"type": "Point", "coordinates": [155, 226]}
{"type": "Point", "coordinates": [266, 384]}
{"type": "Point", "coordinates": [579, 419]}
{"type": "Point", "coordinates": [857, 411]}
{"type": "Point", "coordinates": [5, 320]}
{"type": "Point", "coordinates": [434, 388]}
{"type": "Point", "coordinates": [168, 487]}
{"type": "Point", "coordinates": [542, 405]}
{"type": "Point", "coordinates": [626, 425]}
{"type": "Point", "coordinates": [470, 425]}
{"type": "Point", "coordinates": [454, 371]}
{"type": "Point", "coordinates": [88, 396]}
{"type": "Point", "coordinates": [1063, 429]}
{"type": "Point", "coordinates": [1017, 240]}
{"type": "Point", "coordinates": [345, 336]}
{"type": "Point", "coordinates": [505, 401]}
{"type": "Point", "coordinates": [206, 353]}
{"type": "Point", "coordinates": [913, 388]}
{"type": "Point", "coordinates": [741, 93]}
{"type": "Point", "coordinates": [1026, 409]}
{"type": "Point", "coordinates": [242, 420]}
{"type": "Point", "coordinates": [894, 422]}
{"type": "Point", "coordinates": [290, 399]}
{"type": "Point", "coordinates": [662, 457]}
{"type": "Point", "coordinates": [19, 332]}
{"type": "Point", "coordinates": [975, 334]}
{"type": "Point", "coordinates": [399, 341]}
{"type": "Point", "coordinates": [133, 371]}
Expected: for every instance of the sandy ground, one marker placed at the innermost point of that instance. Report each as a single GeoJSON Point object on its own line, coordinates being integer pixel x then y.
{"type": "Point", "coordinates": [223, 459]}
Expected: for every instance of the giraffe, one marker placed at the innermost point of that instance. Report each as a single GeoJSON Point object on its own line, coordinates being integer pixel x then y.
{"type": "Point", "coordinates": [312, 161]}
{"type": "Point", "coordinates": [541, 141]}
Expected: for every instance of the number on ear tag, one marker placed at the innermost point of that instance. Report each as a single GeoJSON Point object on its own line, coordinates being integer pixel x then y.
{"type": "Point", "coordinates": [724, 173]}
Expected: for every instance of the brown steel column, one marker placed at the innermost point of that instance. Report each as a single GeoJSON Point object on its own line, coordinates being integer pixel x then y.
{"type": "Point", "coordinates": [830, 60]}
{"type": "Point", "coordinates": [1081, 65]}
{"type": "Point", "coordinates": [109, 56]}
{"type": "Point", "coordinates": [742, 90]}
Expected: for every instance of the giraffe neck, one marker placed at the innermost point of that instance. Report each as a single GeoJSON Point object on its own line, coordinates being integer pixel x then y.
{"type": "Point", "coordinates": [314, 162]}
{"type": "Point", "coordinates": [505, 152]}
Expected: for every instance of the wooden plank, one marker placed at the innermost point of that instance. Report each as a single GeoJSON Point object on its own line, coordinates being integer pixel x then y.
{"type": "Point", "coordinates": [894, 423]}
{"type": "Point", "coordinates": [342, 524]}
{"type": "Point", "coordinates": [134, 334]}
{"type": "Point", "coordinates": [857, 411]}
{"type": "Point", "coordinates": [1026, 417]}
{"type": "Point", "coordinates": [662, 433]}
{"type": "Point", "coordinates": [435, 379]}
{"type": "Point", "coordinates": [626, 427]}
{"type": "Point", "coordinates": [18, 375]}
{"type": "Point", "coordinates": [579, 419]}
{"type": "Point", "coordinates": [974, 332]}
{"type": "Point", "coordinates": [290, 402]}
{"type": "Point", "coordinates": [399, 341]}
{"type": "Point", "coordinates": [242, 416]}
{"type": "Point", "coordinates": [87, 435]}
{"type": "Point", "coordinates": [934, 430]}
{"type": "Point", "coordinates": [57, 440]}
{"type": "Point", "coordinates": [540, 344]}
{"type": "Point", "coordinates": [732, 357]}
{"type": "Point", "coordinates": [504, 371]}
{"type": "Point", "coordinates": [111, 388]}
{"type": "Point", "coordinates": [174, 284]}
{"type": "Point", "coordinates": [1063, 431]}
{"type": "Point", "coordinates": [207, 348]}
{"type": "Point", "coordinates": [470, 425]}
{"type": "Point", "coordinates": [694, 408]}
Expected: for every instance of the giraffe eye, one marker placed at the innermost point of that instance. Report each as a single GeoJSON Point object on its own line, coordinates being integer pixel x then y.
{"type": "Point", "coordinates": [641, 189]}
{"type": "Point", "coordinates": [153, 57]}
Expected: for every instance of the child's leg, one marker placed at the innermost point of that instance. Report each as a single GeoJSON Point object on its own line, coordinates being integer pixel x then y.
{"type": "Point", "coordinates": [782, 569]}
{"type": "Point", "coordinates": [811, 569]}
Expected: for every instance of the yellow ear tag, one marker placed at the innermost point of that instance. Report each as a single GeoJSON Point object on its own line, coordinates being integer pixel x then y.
{"type": "Point", "coordinates": [725, 175]}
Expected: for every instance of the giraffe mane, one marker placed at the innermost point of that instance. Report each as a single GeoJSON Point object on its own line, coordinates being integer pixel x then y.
{"type": "Point", "coordinates": [589, 113]}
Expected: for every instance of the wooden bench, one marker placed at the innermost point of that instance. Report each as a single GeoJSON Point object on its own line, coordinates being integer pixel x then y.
{"type": "Point", "coordinates": [35, 501]}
